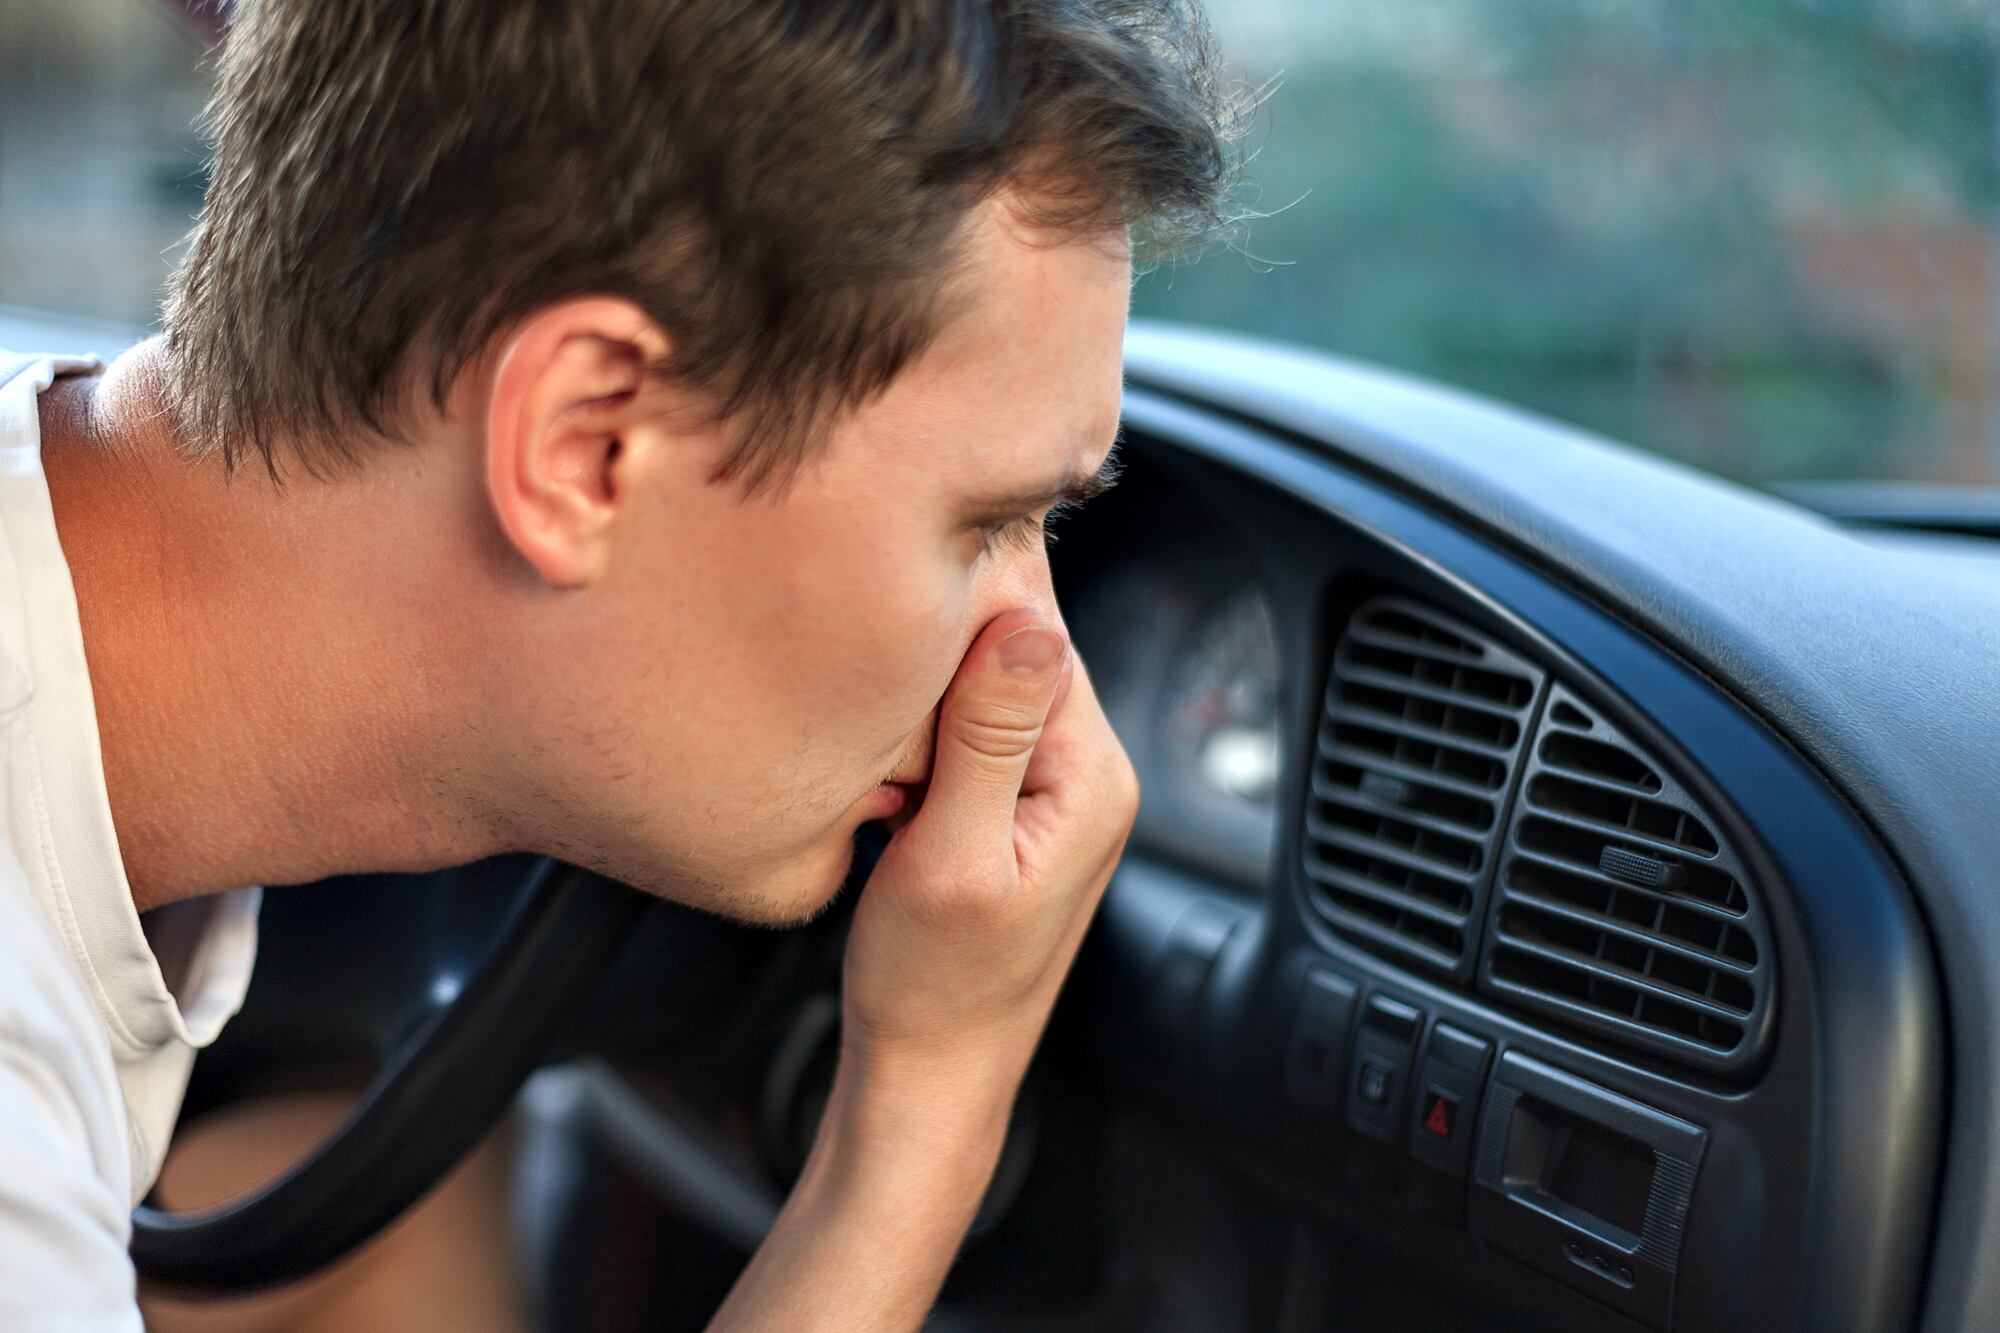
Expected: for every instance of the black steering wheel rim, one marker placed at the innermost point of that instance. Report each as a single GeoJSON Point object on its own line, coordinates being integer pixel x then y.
{"type": "Point", "coordinates": [434, 1099]}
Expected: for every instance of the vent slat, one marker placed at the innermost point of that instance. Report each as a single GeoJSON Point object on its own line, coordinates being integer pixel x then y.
{"type": "Point", "coordinates": [1389, 683]}
{"type": "Point", "coordinates": [1636, 981]}
{"type": "Point", "coordinates": [1453, 677]}
{"type": "Point", "coordinates": [1398, 629]}
{"type": "Point", "coordinates": [1580, 847]}
{"type": "Point", "coordinates": [1607, 785]}
{"type": "Point", "coordinates": [1594, 761]}
{"type": "Point", "coordinates": [1424, 722]}
{"type": "Point", "coordinates": [1597, 829]}
{"type": "Point", "coordinates": [1620, 812]}
{"type": "Point", "coordinates": [1480, 735]}
{"type": "Point", "coordinates": [1643, 938]}
{"type": "Point", "coordinates": [1348, 754]}
{"type": "Point", "coordinates": [1441, 951]}
{"type": "Point", "coordinates": [1409, 858]}
{"type": "Point", "coordinates": [1565, 992]}
{"type": "Point", "coordinates": [1447, 895]}
{"type": "Point", "coordinates": [1385, 897]}
{"type": "Point", "coordinates": [1617, 906]}
{"type": "Point", "coordinates": [1719, 917]}
{"type": "Point", "coordinates": [1325, 788]}
{"type": "Point", "coordinates": [1419, 749]}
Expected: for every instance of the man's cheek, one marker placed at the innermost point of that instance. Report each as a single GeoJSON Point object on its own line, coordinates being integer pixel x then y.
{"type": "Point", "coordinates": [925, 746]}
{"type": "Point", "coordinates": [925, 673]}
{"type": "Point", "coordinates": [936, 638]}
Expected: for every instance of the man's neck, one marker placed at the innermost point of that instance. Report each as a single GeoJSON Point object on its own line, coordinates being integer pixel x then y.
{"type": "Point", "coordinates": [261, 659]}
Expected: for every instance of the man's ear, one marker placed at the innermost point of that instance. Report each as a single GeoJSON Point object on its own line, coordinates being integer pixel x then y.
{"type": "Point", "coordinates": [564, 396]}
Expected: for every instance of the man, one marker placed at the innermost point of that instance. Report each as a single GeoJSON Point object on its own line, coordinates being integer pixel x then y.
{"type": "Point", "coordinates": [624, 431]}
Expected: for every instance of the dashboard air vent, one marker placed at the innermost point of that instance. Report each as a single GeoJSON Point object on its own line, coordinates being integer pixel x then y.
{"type": "Point", "coordinates": [1619, 906]}
{"type": "Point", "coordinates": [1424, 722]}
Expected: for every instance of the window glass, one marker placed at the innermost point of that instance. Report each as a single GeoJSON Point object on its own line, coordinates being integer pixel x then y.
{"type": "Point", "coordinates": [100, 163]}
{"type": "Point", "coordinates": [1757, 234]}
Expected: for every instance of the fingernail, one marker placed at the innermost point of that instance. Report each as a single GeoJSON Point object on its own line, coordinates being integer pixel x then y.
{"type": "Point", "coordinates": [1030, 652]}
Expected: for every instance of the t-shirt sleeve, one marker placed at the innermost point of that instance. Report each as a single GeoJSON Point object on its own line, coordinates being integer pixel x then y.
{"type": "Point", "coordinates": [64, 1225]}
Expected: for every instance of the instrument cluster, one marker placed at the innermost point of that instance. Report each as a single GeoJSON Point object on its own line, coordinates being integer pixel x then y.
{"type": "Point", "coordinates": [1182, 649]}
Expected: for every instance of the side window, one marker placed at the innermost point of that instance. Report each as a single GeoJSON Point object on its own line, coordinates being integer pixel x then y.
{"type": "Point", "coordinates": [100, 162]}
{"type": "Point", "coordinates": [1757, 234]}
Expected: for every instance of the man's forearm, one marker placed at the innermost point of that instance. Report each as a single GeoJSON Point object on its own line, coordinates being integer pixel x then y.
{"type": "Point", "coordinates": [868, 1234]}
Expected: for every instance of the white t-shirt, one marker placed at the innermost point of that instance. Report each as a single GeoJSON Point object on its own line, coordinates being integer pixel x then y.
{"type": "Point", "coordinates": [95, 1048]}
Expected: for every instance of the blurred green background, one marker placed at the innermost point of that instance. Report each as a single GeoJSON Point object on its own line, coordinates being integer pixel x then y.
{"type": "Point", "coordinates": [1761, 235]}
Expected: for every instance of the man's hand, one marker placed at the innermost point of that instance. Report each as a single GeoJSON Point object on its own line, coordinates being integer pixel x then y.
{"type": "Point", "coordinates": [959, 945]}
{"type": "Point", "coordinates": [966, 929]}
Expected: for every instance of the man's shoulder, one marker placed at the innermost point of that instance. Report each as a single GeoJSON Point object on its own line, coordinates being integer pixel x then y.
{"type": "Point", "coordinates": [64, 1162]}
{"type": "Point", "coordinates": [53, 1051]}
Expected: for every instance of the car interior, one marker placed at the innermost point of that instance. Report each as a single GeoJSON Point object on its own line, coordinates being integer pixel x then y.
{"type": "Point", "coordinates": [1560, 901]}
{"type": "Point", "coordinates": [1566, 892]}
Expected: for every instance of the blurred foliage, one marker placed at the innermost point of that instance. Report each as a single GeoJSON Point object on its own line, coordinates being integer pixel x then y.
{"type": "Point", "coordinates": [1757, 234]}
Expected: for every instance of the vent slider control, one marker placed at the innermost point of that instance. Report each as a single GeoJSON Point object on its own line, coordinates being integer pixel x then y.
{"type": "Point", "coordinates": [1646, 871]}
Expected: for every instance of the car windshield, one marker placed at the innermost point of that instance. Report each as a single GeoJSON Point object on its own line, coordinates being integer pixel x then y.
{"type": "Point", "coordinates": [1759, 235]}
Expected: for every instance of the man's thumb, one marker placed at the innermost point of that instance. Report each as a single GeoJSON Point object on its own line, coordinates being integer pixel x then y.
{"type": "Point", "coordinates": [990, 721]}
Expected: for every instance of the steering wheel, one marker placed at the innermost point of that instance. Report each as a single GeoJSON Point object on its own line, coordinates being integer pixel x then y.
{"type": "Point", "coordinates": [435, 1097]}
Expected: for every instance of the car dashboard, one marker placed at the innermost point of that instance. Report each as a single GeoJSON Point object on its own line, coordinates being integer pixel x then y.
{"type": "Point", "coordinates": [1486, 926]}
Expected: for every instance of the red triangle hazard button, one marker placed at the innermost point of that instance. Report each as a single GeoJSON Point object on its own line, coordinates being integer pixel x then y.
{"type": "Point", "coordinates": [1438, 1119]}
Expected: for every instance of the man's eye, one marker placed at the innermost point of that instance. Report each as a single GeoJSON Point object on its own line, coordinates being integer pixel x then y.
{"type": "Point", "coordinates": [1023, 532]}
{"type": "Point", "coordinates": [1015, 532]}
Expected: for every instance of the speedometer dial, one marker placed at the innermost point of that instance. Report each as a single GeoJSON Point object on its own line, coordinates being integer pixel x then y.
{"type": "Point", "coordinates": [1182, 649]}
{"type": "Point", "coordinates": [1215, 735]}
{"type": "Point", "coordinates": [1220, 721]}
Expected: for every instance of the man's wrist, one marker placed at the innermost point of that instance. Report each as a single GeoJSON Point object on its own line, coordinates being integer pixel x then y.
{"type": "Point", "coordinates": [896, 1173]}
{"type": "Point", "coordinates": [893, 1125]}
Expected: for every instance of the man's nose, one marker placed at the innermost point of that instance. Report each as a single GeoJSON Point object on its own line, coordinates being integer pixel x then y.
{"type": "Point", "coordinates": [1029, 583]}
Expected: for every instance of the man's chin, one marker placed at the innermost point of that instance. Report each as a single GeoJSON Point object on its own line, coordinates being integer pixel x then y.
{"type": "Point", "coordinates": [795, 894]}
{"type": "Point", "coordinates": [776, 914]}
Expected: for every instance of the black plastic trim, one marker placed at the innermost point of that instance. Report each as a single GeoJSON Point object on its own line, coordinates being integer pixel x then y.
{"type": "Point", "coordinates": [1867, 1072]}
{"type": "Point", "coordinates": [1738, 1059]}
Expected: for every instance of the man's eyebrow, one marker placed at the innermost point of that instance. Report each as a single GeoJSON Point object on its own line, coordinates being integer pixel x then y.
{"type": "Point", "coordinates": [1071, 490]}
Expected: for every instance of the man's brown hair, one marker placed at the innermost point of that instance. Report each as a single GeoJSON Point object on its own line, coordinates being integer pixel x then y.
{"type": "Point", "coordinates": [777, 183]}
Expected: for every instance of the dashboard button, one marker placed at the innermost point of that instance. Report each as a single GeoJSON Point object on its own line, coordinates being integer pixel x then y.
{"type": "Point", "coordinates": [1441, 1118]}
{"type": "Point", "coordinates": [1316, 1063]}
{"type": "Point", "coordinates": [1451, 1074]}
{"type": "Point", "coordinates": [1460, 1049]}
{"type": "Point", "coordinates": [1384, 1044]}
{"type": "Point", "coordinates": [1393, 1017]}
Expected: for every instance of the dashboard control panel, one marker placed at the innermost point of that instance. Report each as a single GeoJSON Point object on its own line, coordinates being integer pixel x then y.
{"type": "Point", "coordinates": [1587, 1185]}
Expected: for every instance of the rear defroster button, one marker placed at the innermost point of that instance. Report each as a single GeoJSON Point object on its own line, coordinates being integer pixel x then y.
{"type": "Point", "coordinates": [1383, 1049]}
